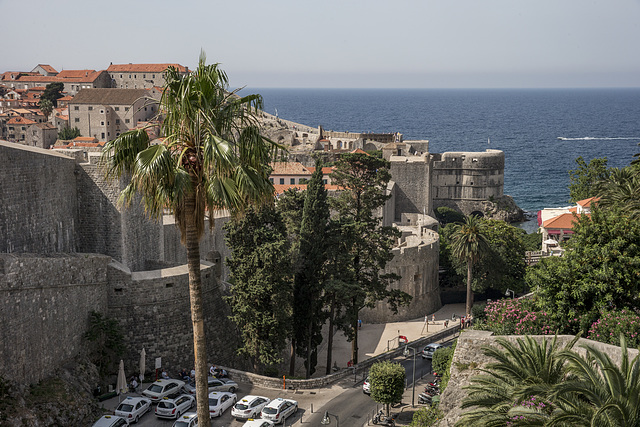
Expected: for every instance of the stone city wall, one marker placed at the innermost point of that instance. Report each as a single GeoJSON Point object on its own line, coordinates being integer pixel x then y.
{"type": "Point", "coordinates": [411, 174]}
{"type": "Point", "coordinates": [46, 301]}
{"type": "Point", "coordinates": [38, 207]}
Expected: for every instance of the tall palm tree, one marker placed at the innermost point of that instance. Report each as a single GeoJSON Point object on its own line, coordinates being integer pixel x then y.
{"type": "Point", "coordinates": [622, 189]}
{"type": "Point", "coordinates": [212, 157]}
{"type": "Point", "coordinates": [468, 242]}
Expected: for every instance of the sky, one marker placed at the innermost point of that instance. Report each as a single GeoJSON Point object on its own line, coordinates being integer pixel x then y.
{"type": "Point", "coordinates": [340, 43]}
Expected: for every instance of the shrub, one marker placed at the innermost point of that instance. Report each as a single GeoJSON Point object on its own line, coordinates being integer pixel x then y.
{"type": "Point", "coordinates": [478, 313]}
{"type": "Point", "coordinates": [446, 371]}
{"type": "Point", "coordinates": [518, 316]}
{"type": "Point", "coordinates": [442, 359]}
{"type": "Point", "coordinates": [612, 324]}
{"type": "Point", "coordinates": [426, 417]}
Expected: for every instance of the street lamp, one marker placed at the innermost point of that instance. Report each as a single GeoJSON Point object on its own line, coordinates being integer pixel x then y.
{"type": "Point", "coordinates": [413, 381]}
{"type": "Point", "coordinates": [513, 294]}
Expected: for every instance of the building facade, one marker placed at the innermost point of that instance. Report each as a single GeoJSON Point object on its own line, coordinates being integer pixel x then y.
{"type": "Point", "coordinates": [140, 76]}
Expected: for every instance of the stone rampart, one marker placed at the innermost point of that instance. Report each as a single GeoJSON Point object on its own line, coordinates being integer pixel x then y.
{"type": "Point", "coordinates": [45, 308]}
{"type": "Point", "coordinates": [38, 207]}
{"type": "Point", "coordinates": [411, 174]}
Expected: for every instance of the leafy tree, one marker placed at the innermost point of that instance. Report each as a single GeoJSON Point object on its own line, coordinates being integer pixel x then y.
{"type": "Point", "coordinates": [446, 215]}
{"type": "Point", "coordinates": [532, 241]}
{"type": "Point", "coordinates": [600, 269]}
{"type": "Point", "coordinates": [105, 341]}
{"type": "Point", "coordinates": [468, 243]}
{"type": "Point", "coordinates": [583, 179]}
{"type": "Point", "coordinates": [426, 417]}
{"type": "Point", "coordinates": [387, 382]}
{"type": "Point", "coordinates": [260, 298]}
{"type": "Point", "coordinates": [46, 106]}
{"type": "Point", "coordinates": [68, 133]}
{"type": "Point", "coordinates": [308, 315]}
{"type": "Point", "coordinates": [212, 157]}
{"type": "Point", "coordinates": [363, 241]}
{"type": "Point", "coordinates": [621, 189]}
{"type": "Point", "coordinates": [52, 92]}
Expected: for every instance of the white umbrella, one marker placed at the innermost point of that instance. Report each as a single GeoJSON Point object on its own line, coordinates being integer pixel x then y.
{"type": "Point", "coordinates": [143, 355]}
{"type": "Point", "coordinates": [550, 242]}
{"type": "Point", "coordinates": [121, 384]}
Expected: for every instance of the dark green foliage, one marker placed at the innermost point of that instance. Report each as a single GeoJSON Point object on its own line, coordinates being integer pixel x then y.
{"type": "Point", "coordinates": [447, 215]}
{"type": "Point", "coordinates": [426, 417]}
{"type": "Point", "coordinates": [477, 311]}
{"type": "Point", "coordinates": [387, 382]}
{"type": "Point", "coordinates": [442, 359]}
{"type": "Point", "coordinates": [446, 371]}
{"type": "Point", "coordinates": [308, 315]}
{"type": "Point", "coordinates": [363, 244]}
{"type": "Point", "coordinates": [68, 133]}
{"type": "Point", "coordinates": [290, 204]}
{"type": "Point", "coordinates": [46, 106]}
{"type": "Point", "coordinates": [583, 179]}
{"type": "Point", "coordinates": [52, 92]}
{"type": "Point", "coordinates": [260, 298]}
{"type": "Point", "coordinates": [600, 269]}
{"type": "Point", "coordinates": [105, 343]}
{"type": "Point", "coordinates": [532, 241]}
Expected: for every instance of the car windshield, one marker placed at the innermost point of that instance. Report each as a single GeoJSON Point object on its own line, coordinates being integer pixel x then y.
{"type": "Point", "coordinates": [242, 406]}
{"type": "Point", "coordinates": [167, 405]}
{"type": "Point", "coordinates": [125, 407]}
{"type": "Point", "coordinates": [155, 388]}
{"type": "Point", "coordinates": [270, 411]}
{"type": "Point", "coordinates": [213, 402]}
{"type": "Point", "coordinates": [181, 424]}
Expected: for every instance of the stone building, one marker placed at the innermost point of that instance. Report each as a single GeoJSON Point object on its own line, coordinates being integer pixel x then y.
{"type": "Point", "coordinates": [42, 135]}
{"type": "Point", "coordinates": [105, 113]}
{"type": "Point", "coordinates": [73, 80]}
{"type": "Point", "coordinates": [140, 76]}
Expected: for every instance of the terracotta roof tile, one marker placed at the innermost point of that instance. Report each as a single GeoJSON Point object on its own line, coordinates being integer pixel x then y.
{"type": "Point", "coordinates": [20, 121]}
{"type": "Point", "coordinates": [48, 68]}
{"type": "Point", "coordinates": [144, 68]}
{"type": "Point", "coordinates": [564, 221]}
{"type": "Point", "coordinates": [289, 168]}
{"type": "Point", "coordinates": [587, 202]}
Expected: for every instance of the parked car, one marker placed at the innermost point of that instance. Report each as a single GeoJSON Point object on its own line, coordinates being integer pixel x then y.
{"type": "Point", "coordinates": [190, 419]}
{"type": "Point", "coordinates": [258, 423]}
{"type": "Point", "coordinates": [162, 388]}
{"type": "Point", "coordinates": [249, 407]}
{"type": "Point", "coordinates": [366, 386]}
{"type": "Point", "coordinates": [173, 408]}
{"type": "Point", "coordinates": [220, 401]}
{"type": "Point", "coordinates": [110, 421]}
{"type": "Point", "coordinates": [133, 408]}
{"type": "Point", "coordinates": [279, 409]}
{"type": "Point", "coordinates": [214, 384]}
{"type": "Point", "coordinates": [429, 349]}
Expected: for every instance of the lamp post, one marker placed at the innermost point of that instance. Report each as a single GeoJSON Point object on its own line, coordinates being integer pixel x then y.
{"type": "Point", "coordinates": [513, 294]}
{"type": "Point", "coordinates": [413, 380]}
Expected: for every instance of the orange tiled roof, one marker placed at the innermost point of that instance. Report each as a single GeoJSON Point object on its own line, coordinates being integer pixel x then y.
{"type": "Point", "coordinates": [144, 68]}
{"type": "Point", "coordinates": [65, 98]}
{"type": "Point", "coordinates": [289, 168]}
{"type": "Point", "coordinates": [85, 76]}
{"type": "Point", "coordinates": [326, 170]}
{"type": "Point", "coordinates": [281, 188]}
{"type": "Point", "coordinates": [17, 120]}
{"type": "Point", "coordinates": [564, 221]}
{"type": "Point", "coordinates": [587, 202]}
{"type": "Point", "coordinates": [48, 68]}
{"type": "Point", "coordinates": [359, 151]}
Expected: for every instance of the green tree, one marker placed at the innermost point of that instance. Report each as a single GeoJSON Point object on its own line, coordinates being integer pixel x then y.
{"type": "Point", "coordinates": [584, 179]}
{"type": "Point", "coordinates": [600, 269]}
{"type": "Point", "coordinates": [212, 157]}
{"type": "Point", "coordinates": [446, 215]}
{"type": "Point", "coordinates": [468, 243]}
{"type": "Point", "coordinates": [46, 106]}
{"type": "Point", "coordinates": [260, 297]}
{"type": "Point", "coordinates": [364, 242]}
{"type": "Point", "coordinates": [387, 382]}
{"type": "Point", "coordinates": [52, 92]}
{"type": "Point", "coordinates": [308, 314]}
{"type": "Point", "coordinates": [68, 133]}
{"type": "Point", "coordinates": [621, 189]}
{"type": "Point", "coordinates": [105, 341]}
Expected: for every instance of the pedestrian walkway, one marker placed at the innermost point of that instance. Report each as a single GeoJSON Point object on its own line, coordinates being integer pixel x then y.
{"type": "Point", "coordinates": [375, 339]}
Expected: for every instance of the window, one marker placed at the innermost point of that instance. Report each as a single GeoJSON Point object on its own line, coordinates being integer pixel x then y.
{"type": "Point", "coordinates": [10, 127]}
{"type": "Point", "coordinates": [129, 75]}
{"type": "Point", "coordinates": [135, 76]}
{"type": "Point", "coordinates": [281, 180]}
{"type": "Point", "coordinates": [153, 76]}
{"type": "Point", "coordinates": [76, 108]}
{"type": "Point", "coordinates": [151, 108]}
{"type": "Point", "coordinates": [324, 181]}
{"type": "Point", "coordinates": [77, 119]}
{"type": "Point", "coordinates": [145, 108]}
{"type": "Point", "coordinates": [271, 179]}
{"type": "Point", "coordinates": [293, 181]}
{"type": "Point", "coordinates": [127, 120]}
{"type": "Point", "coordinates": [117, 108]}
{"type": "Point", "coordinates": [90, 107]}
{"type": "Point", "coordinates": [24, 128]}
{"type": "Point", "coordinates": [126, 108]}
{"type": "Point", "coordinates": [102, 124]}
{"type": "Point", "coordinates": [102, 135]}
{"type": "Point", "coordinates": [101, 111]}
{"type": "Point", "coordinates": [120, 75]}
{"type": "Point", "coordinates": [117, 121]}
{"type": "Point", "coordinates": [144, 76]}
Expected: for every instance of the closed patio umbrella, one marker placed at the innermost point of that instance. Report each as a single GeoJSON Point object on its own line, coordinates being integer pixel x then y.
{"type": "Point", "coordinates": [121, 384]}
{"type": "Point", "coordinates": [143, 356]}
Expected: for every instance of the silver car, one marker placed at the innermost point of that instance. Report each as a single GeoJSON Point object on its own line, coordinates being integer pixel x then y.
{"type": "Point", "coordinates": [173, 408]}
{"type": "Point", "coordinates": [279, 409]}
{"type": "Point", "coordinates": [133, 408]}
{"type": "Point", "coordinates": [429, 349]}
{"type": "Point", "coordinates": [214, 384]}
{"type": "Point", "coordinates": [162, 388]}
{"type": "Point", "coordinates": [249, 407]}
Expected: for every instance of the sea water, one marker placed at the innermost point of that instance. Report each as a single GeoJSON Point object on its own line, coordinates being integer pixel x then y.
{"type": "Point", "coordinates": [541, 131]}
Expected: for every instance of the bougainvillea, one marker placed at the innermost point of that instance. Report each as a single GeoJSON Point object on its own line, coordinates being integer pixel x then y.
{"type": "Point", "coordinates": [611, 324]}
{"type": "Point", "coordinates": [519, 317]}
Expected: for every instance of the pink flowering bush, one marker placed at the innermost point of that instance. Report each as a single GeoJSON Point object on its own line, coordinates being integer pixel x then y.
{"type": "Point", "coordinates": [531, 404]}
{"type": "Point", "coordinates": [611, 324]}
{"type": "Point", "coordinates": [519, 317]}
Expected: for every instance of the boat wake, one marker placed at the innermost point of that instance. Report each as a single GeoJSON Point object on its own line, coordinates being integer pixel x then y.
{"type": "Point", "coordinates": [596, 138]}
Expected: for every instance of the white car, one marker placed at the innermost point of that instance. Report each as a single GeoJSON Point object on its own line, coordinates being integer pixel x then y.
{"type": "Point", "coordinates": [214, 384]}
{"type": "Point", "coordinates": [249, 407]}
{"type": "Point", "coordinates": [110, 421]}
{"type": "Point", "coordinates": [279, 409]}
{"type": "Point", "coordinates": [190, 419]}
{"type": "Point", "coordinates": [366, 386]}
{"type": "Point", "coordinates": [258, 423]}
{"type": "Point", "coordinates": [133, 408]}
{"type": "Point", "coordinates": [429, 349]}
{"type": "Point", "coordinates": [220, 401]}
{"type": "Point", "coordinates": [173, 408]}
{"type": "Point", "coordinates": [162, 388]}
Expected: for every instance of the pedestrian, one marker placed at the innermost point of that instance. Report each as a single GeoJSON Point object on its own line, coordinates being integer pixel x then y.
{"type": "Point", "coordinates": [165, 375]}
{"type": "Point", "coordinates": [462, 322]}
{"type": "Point", "coordinates": [359, 324]}
{"type": "Point", "coordinates": [134, 384]}
{"type": "Point", "coordinates": [446, 323]}
{"type": "Point", "coordinates": [433, 318]}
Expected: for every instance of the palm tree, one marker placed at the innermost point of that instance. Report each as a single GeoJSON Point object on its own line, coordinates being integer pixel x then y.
{"type": "Point", "coordinates": [518, 384]}
{"type": "Point", "coordinates": [468, 242]}
{"type": "Point", "coordinates": [46, 106]}
{"type": "Point", "coordinates": [622, 189]}
{"type": "Point", "coordinates": [212, 158]}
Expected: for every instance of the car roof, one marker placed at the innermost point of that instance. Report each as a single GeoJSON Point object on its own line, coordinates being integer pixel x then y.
{"type": "Point", "coordinates": [107, 420]}
{"type": "Point", "coordinates": [135, 399]}
{"type": "Point", "coordinates": [251, 398]}
{"type": "Point", "coordinates": [275, 403]}
{"type": "Point", "coordinates": [259, 422]}
{"type": "Point", "coordinates": [164, 381]}
{"type": "Point", "coordinates": [434, 345]}
{"type": "Point", "coordinates": [188, 415]}
{"type": "Point", "coordinates": [219, 393]}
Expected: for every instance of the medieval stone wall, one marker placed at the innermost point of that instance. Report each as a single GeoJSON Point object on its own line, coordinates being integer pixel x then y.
{"type": "Point", "coordinates": [45, 308]}
{"type": "Point", "coordinates": [413, 192]}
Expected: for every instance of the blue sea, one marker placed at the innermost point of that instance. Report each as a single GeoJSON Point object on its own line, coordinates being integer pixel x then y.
{"type": "Point", "coordinates": [541, 131]}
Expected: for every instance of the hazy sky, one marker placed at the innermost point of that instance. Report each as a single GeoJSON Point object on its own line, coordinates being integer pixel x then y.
{"type": "Point", "coordinates": [340, 43]}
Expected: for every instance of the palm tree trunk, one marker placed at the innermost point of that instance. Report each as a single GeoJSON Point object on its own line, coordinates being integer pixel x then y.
{"type": "Point", "coordinates": [469, 290]}
{"type": "Point", "coordinates": [192, 242]}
